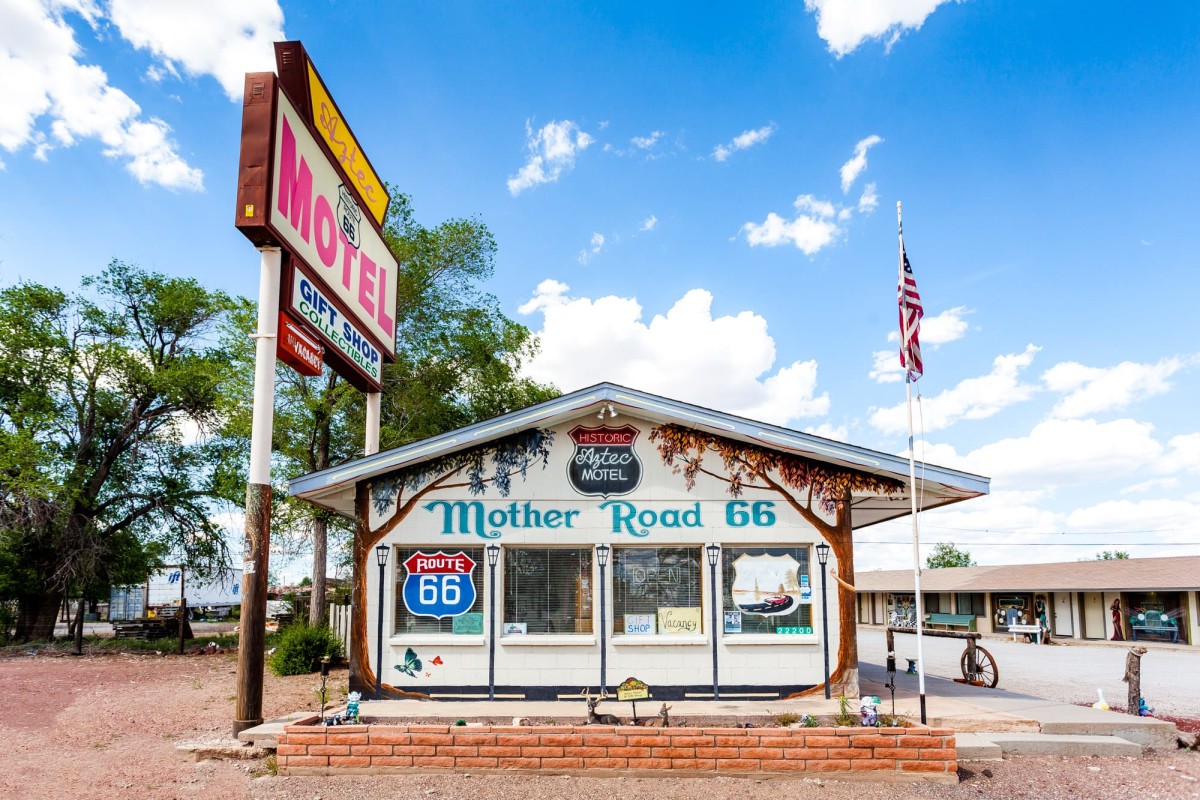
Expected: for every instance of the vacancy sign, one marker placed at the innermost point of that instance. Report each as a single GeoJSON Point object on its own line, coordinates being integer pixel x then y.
{"type": "Point", "coordinates": [296, 348]}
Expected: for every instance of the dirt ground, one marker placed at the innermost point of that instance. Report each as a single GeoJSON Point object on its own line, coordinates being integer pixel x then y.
{"type": "Point", "coordinates": [108, 726]}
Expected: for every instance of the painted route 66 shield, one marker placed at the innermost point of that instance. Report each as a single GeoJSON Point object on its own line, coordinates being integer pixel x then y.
{"type": "Point", "coordinates": [439, 584]}
{"type": "Point", "coordinates": [604, 462]}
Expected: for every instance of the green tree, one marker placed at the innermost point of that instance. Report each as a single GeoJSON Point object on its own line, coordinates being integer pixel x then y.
{"type": "Point", "coordinates": [1112, 555]}
{"type": "Point", "coordinates": [946, 554]}
{"type": "Point", "coordinates": [101, 396]}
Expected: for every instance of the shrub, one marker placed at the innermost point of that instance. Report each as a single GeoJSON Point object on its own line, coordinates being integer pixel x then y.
{"type": "Point", "coordinates": [787, 719]}
{"type": "Point", "coordinates": [301, 647]}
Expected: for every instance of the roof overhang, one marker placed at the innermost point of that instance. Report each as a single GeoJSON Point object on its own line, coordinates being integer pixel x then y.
{"type": "Point", "coordinates": [333, 488]}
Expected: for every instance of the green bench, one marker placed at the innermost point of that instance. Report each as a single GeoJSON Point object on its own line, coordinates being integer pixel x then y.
{"type": "Point", "coordinates": [964, 621]}
{"type": "Point", "coordinates": [1154, 622]}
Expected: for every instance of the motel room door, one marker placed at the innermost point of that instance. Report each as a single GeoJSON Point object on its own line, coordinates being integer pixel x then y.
{"type": "Point", "coordinates": [1093, 616]}
{"type": "Point", "coordinates": [1063, 624]}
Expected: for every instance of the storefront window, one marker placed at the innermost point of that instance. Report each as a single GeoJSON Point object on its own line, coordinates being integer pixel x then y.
{"type": "Point", "coordinates": [656, 590]}
{"type": "Point", "coordinates": [902, 610]}
{"type": "Point", "coordinates": [766, 590]}
{"type": "Point", "coordinates": [547, 590]}
{"type": "Point", "coordinates": [970, 603]}
{"type": "Point", "coordinates": [470, 622]}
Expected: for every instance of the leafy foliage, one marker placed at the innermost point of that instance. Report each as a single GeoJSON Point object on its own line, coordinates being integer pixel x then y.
{"type": "Point", "coordinates": [101, 395]}
{"type": "Point", "coordinates": [302, 646]}
{"type": "Point", "coordinates": [945, 554]}
{"type": "Point", "coordinates": [684, 449]}
{"type": "Point", "coordinates": [511, 455]}
{"type": "Point", "coordinates": [1112, 555]}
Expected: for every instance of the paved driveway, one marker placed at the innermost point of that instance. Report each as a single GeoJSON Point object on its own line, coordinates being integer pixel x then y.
{"type": "Point", "coordinates": [1069, 672]}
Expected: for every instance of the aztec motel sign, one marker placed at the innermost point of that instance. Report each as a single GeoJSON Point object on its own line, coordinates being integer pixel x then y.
{"type": "Point", "coordinates": [593, 540]}
{"type": "Point", "coordinates": [306, 186]}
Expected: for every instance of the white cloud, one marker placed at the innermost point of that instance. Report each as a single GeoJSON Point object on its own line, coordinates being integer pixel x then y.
{"type": "Point", "coordinates": [1068, 452]}
{"type": "Point", "coordinates": [647, 142]}
{"type": "Point", "coordinates": [973, 398]}
{"type": "Point", "coordinates": [222, 38]}
{"type": "Point", "coordinates": [839, 433]}
{"type": "Point", "coordinates": [552, 150]}
{"type": "Point", "coordinates": [869, 200]}
{"type": "Point", "coordinates": [649, 223]}
{"type": "Point", "coordinates": [857, 163]}
{"type": "Point", "coordinates": [1183, 454]}
{"type": "Point", "coordinates": [1091, 390]}
{"type": "Point", "coordinates": [1150, 485]}
{"type": "Point", "coordinates": [814, 226]}
{"type": "Point", "coordinates": [742, 141]}
{"type": "Point", "coordinates": [845, 24]}
{"type": "Point", "coordinates": [596, 245]}
{"type": "Point", "coordinates": [41, 76]}
{"type": "Point", "coordinates": [585, 341]}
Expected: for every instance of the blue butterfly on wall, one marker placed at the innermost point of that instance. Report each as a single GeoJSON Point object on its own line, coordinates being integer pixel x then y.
{"type": "Point", "coordinates": [412, 664]}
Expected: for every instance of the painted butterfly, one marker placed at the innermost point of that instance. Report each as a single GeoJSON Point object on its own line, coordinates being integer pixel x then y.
{"type": "Point", "coordinates": [411, 665]}
{"type": "Point", "coordinates": [437, 661]}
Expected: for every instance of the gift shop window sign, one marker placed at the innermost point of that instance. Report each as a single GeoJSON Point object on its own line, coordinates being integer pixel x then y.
{"type": "Point", "coordinates": [439, 584]}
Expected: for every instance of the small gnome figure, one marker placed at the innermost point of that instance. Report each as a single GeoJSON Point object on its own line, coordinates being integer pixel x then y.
{"type": "Point", "coordinates": [352, 706]}
{"type": "Point", "coordinates": [868, 709]}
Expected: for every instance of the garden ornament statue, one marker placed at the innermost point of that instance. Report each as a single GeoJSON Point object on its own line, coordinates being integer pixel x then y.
{"type": "Point", "coordinates": [352, 705]}
{"type": "Point", "coordinates": [868, 709]}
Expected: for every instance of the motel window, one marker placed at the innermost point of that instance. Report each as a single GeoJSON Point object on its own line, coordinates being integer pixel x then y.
{"type": "Point", "coordinates": [547, 590]}
{"type": "Point", "coordinates": [470, 622]}
{"type": "Point", "coordinates": [657, 590]}
{"type": "Point", "coordinates": [766, 590]}
{"type": "Point", "coordinates": [970, 603]}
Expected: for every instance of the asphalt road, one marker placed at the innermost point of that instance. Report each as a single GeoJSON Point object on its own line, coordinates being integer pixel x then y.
{"type": "Point", "coordinates": [1067, 671]}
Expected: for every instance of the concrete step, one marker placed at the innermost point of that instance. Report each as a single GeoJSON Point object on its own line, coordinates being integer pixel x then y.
{"type": "Point", "coordinates": [267, 734]}
{"type": "Point", "coordinates": [972, 747]}
{"type": "Point", "coordinates": [1049, 744]}
{"type": "Point", "coordinates": [1143, 731]}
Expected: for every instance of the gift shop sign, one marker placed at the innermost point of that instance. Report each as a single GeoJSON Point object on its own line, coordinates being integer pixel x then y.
{"type": "Point", "coordinates": [311, 211]}
{"type": "Point", "coordinates": [439, 584]}
{"type": "Point", "coordinates": [309, 302]}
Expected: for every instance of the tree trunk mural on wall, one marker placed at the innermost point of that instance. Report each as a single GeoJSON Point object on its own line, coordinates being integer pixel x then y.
{"type": "Point", "coordinates": [508, 457]}
{"type": "Point", "coordinates": [807, 487]}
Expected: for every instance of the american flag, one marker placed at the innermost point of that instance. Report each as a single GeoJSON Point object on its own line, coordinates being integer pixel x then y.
{"type": "Point", "coordinates": [910, 318]}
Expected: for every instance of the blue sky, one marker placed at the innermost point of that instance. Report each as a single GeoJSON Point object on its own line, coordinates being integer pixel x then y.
{"type": "Point", "coordinates": [700, 202]}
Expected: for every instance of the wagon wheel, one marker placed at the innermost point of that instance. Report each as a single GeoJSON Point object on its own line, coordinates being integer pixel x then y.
{"type": "Point", "coordinates": [986, 671]}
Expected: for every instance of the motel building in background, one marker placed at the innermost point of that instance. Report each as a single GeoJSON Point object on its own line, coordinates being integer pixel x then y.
{"type": "Point", "coordinates": [610, 534]}
{"type": "Point", "coordinates": [1142, 599]}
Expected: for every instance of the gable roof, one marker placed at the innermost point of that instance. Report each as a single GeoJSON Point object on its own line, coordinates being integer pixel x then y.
{"type": "Point", "coordinates": [333, 488]}
{"type": "Point", "coordinates": [1127, 574]}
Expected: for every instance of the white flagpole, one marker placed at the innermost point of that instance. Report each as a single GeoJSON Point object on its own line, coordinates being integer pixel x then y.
{"type": "Point", "coordinates": [912, 474]}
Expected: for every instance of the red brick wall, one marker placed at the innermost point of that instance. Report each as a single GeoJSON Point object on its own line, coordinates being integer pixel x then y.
{"type": "Point", "coordinates": [901, 753]}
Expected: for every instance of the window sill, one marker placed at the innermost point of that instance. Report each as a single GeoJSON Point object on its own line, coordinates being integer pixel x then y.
{"type": "Point", "coordinates": [735, 639]}
{"type": "Point", "coordinates": [643, 640]}
{"type": "Point", "coordinates": [547, 640]}
{"type": "Point", "coordinates": [439, 639]}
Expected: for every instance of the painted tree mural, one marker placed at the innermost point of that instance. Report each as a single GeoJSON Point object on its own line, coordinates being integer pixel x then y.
{"type": "Point", "coordinates": [806, 486]}
{"type": "Point", "coordinates": [494, 464]}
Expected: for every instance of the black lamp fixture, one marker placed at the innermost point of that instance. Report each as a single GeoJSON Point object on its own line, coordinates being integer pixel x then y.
{"type": "Point", "coordinates": [493, 556]}
{"type": "Point", "coordinates": [602, 551]}
{"type": "Point", "coordinates": [714, 554]}
{"type": "Point", "coordinates": [381, 558]}
{"type": "Point", "coordinates": [823, 559]}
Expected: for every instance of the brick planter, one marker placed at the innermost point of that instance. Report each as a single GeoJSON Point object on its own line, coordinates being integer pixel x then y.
{"type": "Point", "coordinates": [905, 754]}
